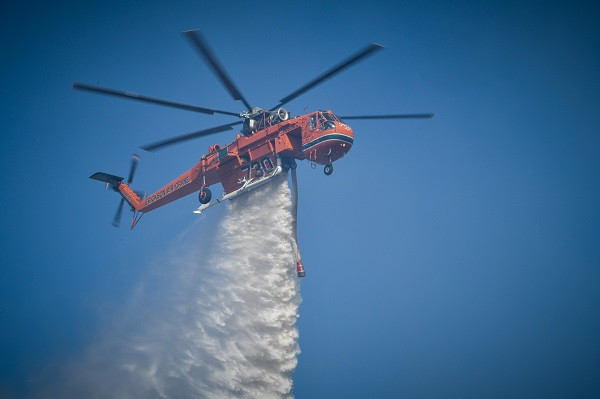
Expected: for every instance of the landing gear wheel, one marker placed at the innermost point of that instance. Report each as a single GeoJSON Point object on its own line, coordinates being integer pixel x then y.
{"type": "Point", "coordinates": [204, 195]}
{"type": "Point", "coordinates": [328, 169]}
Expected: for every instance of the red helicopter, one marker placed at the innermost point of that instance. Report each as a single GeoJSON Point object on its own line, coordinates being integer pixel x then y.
{"type": "Point", "coordinates": [269, 143]}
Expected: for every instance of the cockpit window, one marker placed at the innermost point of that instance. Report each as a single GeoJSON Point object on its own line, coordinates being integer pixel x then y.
{"type": "Point", "coordinates": [330, 117]}
{"type": "Point", "coordinates": [313, 122]}
{"type": "Point", "coordinates": [326, 121]}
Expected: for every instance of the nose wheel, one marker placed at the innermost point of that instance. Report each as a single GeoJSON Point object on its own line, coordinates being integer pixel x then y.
{"type": "Point", "coordinates": [328, 169]}
{"type": "Point", "coordinates": [204, 195]}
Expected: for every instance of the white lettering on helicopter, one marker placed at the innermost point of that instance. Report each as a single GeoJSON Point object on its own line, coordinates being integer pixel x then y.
{"type": "Point", "coordinates": [162, 193]}
{"type": "Point", "coordinates": [264, 166]}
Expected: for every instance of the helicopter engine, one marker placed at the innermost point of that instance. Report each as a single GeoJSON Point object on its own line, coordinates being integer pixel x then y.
{"type": "Point", "coordinates": [280, 116]}
{"type": "Point", "coordinates": [260, 118]}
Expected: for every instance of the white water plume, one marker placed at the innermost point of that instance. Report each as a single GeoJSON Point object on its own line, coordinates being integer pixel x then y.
{"type": "Point", "coordinates": [224, 326]}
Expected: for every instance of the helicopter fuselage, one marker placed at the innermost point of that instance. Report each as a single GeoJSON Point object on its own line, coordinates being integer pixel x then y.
{"type": "Point", "coordinates": [320, 137]}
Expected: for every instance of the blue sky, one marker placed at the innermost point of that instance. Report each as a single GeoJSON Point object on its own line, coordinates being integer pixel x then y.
{"type": "Point", "coordinates": [452, 257]}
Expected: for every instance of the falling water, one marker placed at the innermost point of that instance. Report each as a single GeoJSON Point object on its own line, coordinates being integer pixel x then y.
{"type": "Point", "coordinates": [224, 326]}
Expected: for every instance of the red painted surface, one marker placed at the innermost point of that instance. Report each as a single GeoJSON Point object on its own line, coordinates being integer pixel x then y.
{"type": "Point", "coordinates": [255, 155]}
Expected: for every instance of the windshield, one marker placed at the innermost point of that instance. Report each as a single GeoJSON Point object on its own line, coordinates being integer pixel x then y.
{"type": "Point", "coordinates": [331, 117]}
{"type": "Point", "coordinates": [326, 121]}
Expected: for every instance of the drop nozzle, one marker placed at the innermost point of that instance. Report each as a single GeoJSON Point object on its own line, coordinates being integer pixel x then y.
{"type": "Point", "coordinates": [300, 269]}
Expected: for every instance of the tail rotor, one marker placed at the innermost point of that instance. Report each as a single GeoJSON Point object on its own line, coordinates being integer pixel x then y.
{"type": "Point", "coordinates": [134, 161]}
{"type": "Point", "coordinates": [117, 220]}
{"type": "Point", "coordinates": [135, 158]}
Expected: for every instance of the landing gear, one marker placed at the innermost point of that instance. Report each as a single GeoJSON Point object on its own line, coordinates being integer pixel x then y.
{"type": "Point", "coordinates": [204, 195]}
{"type": "Point", "coordinates": [328, 169]}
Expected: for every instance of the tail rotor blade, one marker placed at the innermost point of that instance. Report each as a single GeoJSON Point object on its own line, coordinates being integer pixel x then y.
{"type": "Point", "coordinates": [117, 220]}
{"type": "Point", "coordinates": [134, 161]}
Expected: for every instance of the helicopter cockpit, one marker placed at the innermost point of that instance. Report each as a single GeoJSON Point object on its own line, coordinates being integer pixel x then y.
{"type": "Point", "coordinates": [324, 120]}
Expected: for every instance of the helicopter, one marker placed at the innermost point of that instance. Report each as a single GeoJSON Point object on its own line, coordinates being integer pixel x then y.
{"type": "Point", "coordinates": [268, 144]}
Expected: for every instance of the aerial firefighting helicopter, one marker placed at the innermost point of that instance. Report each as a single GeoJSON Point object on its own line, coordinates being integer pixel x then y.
{"type": "Point", "coordinates": [269, 143]}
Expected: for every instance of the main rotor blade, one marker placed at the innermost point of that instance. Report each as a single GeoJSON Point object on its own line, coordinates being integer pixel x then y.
{"type": "Point", "coordinates": [153, 100]}
{"type": "Point", "coordinates": [117, 220]}
{"type": "Point", "coordinates": [134, 161]}
{"type": "Point", "coordinates": [391, 116]}
{"type": "Point", "coordinates": [198, 41]}
{"type": "Point", "coordinates": [333, 71]}
{"type": "Point", "coordinates": [189, 136]}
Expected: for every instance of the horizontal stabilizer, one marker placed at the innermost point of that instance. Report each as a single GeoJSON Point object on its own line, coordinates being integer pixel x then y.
{"type": "Point", "coordinates": [105, 177]}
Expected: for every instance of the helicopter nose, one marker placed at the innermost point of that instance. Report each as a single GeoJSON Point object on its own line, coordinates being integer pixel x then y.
{"type": "Point", "coordinates": [345, 133]}
{"type": "Point", "coordinates": [342, 128]}
{"type": "Point", "coordinates": [341, 142]}
{"type": "Point", "coordinates": [330, 145]}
